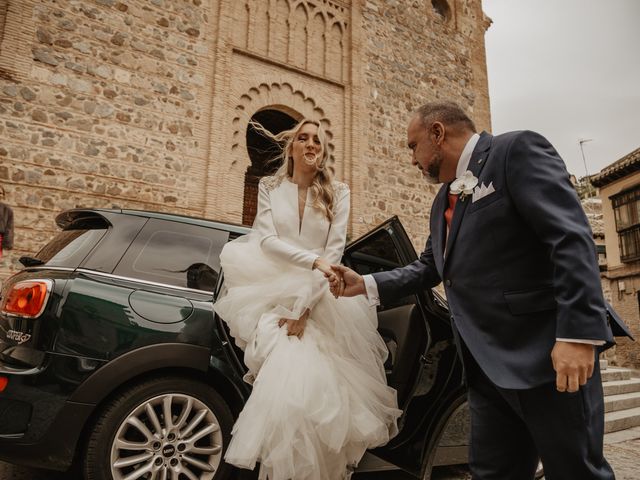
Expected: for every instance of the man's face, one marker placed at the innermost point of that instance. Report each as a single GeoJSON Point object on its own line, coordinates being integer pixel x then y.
{"type": "Point", "coordinates": [425, 153]}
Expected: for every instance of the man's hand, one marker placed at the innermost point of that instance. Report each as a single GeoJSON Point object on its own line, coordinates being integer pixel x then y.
{"type": "Point", "coordinates": [573, 363]}
{"type": "Point", "coordinates": [352, 284]}
{"type": "Point", "coordinates": [295, 328]}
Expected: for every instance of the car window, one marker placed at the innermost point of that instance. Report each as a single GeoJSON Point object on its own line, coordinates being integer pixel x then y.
{"type": "Point", "coordinates": [176, 254]}
{"type": "Point", "coordinates": [69, 247]}
{"type": "Point", "coordinates": [375, 254]}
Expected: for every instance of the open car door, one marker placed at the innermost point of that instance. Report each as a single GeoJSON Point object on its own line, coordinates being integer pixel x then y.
{"type": "Point", "coordinates": [423, 365]}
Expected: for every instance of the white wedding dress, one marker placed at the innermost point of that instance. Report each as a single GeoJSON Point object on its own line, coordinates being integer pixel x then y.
{"type": "Point", "coordinates": [318, 402]}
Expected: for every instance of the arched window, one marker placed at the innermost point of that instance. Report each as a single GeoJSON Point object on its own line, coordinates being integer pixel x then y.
{"type": "Point", "coordinates": [262, 151]}
{"type": "Point", "coordinates": [442, 8]}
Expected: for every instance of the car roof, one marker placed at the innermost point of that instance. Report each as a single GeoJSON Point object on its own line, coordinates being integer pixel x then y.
{"type": "Point", "coordinates": [110, 214]}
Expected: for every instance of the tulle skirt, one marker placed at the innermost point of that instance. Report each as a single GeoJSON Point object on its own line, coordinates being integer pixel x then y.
{"type": "Point", "coordinates": [317, 402]}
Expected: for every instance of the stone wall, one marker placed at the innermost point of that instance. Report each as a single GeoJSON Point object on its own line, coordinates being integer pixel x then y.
{"type": "Point", "coordinates": [413, 55]}
{"type": "Point", "coordinates": [145, 103]}
{"type": "Point", "coordinates": [102, 103]}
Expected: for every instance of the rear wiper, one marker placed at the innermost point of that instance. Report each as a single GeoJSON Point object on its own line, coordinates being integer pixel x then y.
{"type": "Point", "coordinates": [30, 261]}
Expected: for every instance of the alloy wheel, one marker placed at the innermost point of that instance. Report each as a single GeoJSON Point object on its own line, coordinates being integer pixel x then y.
{"type": "Point", "coordinates": [168, 437]}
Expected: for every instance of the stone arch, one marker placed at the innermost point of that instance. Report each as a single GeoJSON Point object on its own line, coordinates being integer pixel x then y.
{"type": "Point", "coordinates": [262, 151]}
{"type": "Point", "coordinates": [281, 95]}
{"type": "Point", "coordinates": [241, 17]}
{"type": "Point", "coordinates": [442, 8]}
{"type": "Point", "coordinates": [317, 44]}
{"type": "Point", "coordinates": [298, 35]}
{"type": "Point", "coordinates": [260, 28]}
{"type": "Point", "coordinates": [334, 63]}
{"type": "Point", "coordinates": [308, 35]}
{"type": "Point", "coordinates": [280, 25]}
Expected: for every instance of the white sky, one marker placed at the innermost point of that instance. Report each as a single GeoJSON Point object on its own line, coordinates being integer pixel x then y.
{"type": "Point", "coordinates": [568, 69]}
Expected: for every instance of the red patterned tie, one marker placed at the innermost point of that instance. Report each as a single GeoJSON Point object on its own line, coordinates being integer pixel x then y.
{"type": "Point", "coordinates": [448, 213]}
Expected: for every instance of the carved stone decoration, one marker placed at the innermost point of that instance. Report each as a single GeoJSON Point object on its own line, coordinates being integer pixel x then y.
{"type": "Point", "coordinates": [241, 24]}
{"type": "Point", "coordinates": [278, 96]}
{"type": "Point", "coordinates": [279, 44]}
{"type": "Point", "coordinates": [298, 37]}
{"type": "Point", "coordinates": [313, 38]}
{"type": "Point", "coordinates": [334, 64]}
{"type": "Point", "coordinates": [316, 48]}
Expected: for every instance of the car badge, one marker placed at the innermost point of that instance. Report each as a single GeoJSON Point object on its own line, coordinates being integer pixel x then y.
{"type": "Point", "coordinates": [19, 337]}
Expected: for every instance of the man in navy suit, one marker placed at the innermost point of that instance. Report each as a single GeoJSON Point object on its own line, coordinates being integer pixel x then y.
{"type": "Point", "coordinates": [514, 249]}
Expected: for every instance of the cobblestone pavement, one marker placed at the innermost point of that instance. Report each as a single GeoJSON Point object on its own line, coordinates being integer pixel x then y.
{"type": "Point", "coordinates": [622, 449]}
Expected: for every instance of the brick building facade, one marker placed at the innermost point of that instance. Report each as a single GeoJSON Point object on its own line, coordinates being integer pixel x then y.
{"type": "Point", "coordinates": [146, 103]}
{"type": "Point", "coordinates": [619, 188]}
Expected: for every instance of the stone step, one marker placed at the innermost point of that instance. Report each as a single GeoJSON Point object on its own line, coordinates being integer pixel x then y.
{"type": "Point", "coordinates": [618, 387]}
{"type": "Point", "coordinates": [612, 374]}
{"type": "Point", "coordinates": [623, 401]}
{"type": "Point", "coordinates": [621, 420]}
{"type": "Point", "coordinates": [622, 436]}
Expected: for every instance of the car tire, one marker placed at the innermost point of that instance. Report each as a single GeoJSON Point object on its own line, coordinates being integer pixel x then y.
{"type": "Point", "coordinates": [132, 432]}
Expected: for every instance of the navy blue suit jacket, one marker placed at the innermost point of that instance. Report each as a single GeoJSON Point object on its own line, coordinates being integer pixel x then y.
{"type": "Point", "coordinates": [520, 267]}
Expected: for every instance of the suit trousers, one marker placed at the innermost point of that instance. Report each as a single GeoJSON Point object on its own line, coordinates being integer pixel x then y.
{"type": "Point", "coordinates": [512, 429]}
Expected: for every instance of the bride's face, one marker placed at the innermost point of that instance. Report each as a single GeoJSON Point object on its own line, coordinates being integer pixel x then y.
{"type": "Point", "coordinates": [306, 148]}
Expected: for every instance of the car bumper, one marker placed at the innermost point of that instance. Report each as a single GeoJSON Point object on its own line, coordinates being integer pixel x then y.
{"type": "Point", "coordinates": [56, 449]}
{"type": "Point", "coordinates": [39, 427]}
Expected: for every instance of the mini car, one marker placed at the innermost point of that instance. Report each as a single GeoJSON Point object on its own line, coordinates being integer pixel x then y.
{"type": "Point", "coordinates": [112, 360]}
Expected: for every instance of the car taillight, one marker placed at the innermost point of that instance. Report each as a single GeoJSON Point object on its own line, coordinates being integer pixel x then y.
{"type": "Point", "coordinates": [4, 381]}
{"type": "Point", "coordinates": [27, 298]}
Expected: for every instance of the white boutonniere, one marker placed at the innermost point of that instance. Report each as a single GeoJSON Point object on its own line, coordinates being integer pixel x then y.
{"type": "Point", "coordinates": [464, 185]}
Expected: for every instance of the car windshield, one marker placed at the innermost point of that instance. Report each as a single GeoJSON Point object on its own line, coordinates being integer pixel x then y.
{"type": "Point", "coordinates": [71, 246]}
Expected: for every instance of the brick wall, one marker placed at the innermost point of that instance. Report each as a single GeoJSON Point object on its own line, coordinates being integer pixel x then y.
{"type": "Point", "coordinates": [627, 304]}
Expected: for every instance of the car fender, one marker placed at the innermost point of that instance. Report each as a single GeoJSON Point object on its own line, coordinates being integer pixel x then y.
{"type": "Point", "coordinates": [138, 362]}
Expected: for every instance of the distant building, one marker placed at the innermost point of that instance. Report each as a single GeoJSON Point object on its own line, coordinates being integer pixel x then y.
{"type": "Point", "coordinates": [593, 208]}
{"type": "Point", "coordinates": [619, 185]}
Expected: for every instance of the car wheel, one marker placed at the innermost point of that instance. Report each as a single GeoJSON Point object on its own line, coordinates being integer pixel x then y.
{"type": "Point", "coordinates": [163, 428]}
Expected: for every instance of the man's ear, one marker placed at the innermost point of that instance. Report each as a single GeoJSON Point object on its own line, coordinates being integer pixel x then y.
{"type": "Point", "coordinates": [438, 130]}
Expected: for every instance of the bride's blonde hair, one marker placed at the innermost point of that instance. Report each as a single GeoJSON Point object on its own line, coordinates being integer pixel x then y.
{"type": "Point", "coordinates": [321, 187]}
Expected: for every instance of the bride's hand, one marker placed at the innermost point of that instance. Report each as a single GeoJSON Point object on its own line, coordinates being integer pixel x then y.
{"type": "Point", "coordinates": [295, 327]}
{"type": "Point", "coordinates": [337, 288]}
{"type": "Point", "coordinates": [322, 265]}
{"type": "Point", "coordinates": [333, 277]}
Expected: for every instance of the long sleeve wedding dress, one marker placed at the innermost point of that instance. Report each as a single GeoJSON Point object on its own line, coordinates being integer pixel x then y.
{"type": "Point", "coordinates": [320, 401]}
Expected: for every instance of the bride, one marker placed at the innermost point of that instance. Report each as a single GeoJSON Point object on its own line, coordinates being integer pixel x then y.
{"type": "Point", "coordinates": [319, 396]}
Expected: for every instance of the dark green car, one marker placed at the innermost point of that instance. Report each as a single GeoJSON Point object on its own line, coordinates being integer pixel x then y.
{"type": "Point", "coordinates": [112, 360]}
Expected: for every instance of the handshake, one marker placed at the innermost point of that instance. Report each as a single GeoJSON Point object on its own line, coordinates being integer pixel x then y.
{"type": "Point", "coordinates": [343, 282]}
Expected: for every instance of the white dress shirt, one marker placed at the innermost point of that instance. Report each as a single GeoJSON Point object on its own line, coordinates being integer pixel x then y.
{"type": "Point", "coordinates": [463, 164]}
